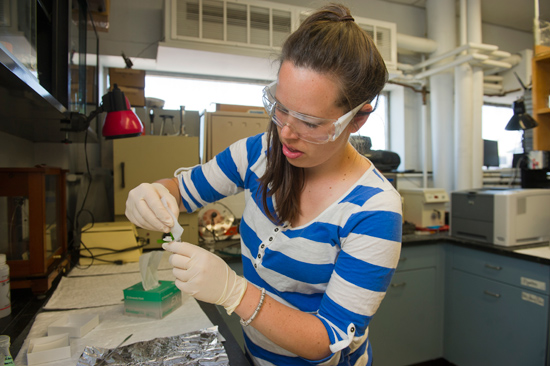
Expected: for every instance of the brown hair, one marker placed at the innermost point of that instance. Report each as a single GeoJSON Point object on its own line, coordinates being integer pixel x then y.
{"type": "Point", "coordinates": [331, 43]}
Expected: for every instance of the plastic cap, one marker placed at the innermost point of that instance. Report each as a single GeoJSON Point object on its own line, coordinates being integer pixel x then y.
{"type": "Point", "coordinates": [2, 259]}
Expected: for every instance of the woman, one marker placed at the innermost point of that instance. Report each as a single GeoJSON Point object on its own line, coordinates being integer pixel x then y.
{"type": "Point", "coordinates": [321, 228]}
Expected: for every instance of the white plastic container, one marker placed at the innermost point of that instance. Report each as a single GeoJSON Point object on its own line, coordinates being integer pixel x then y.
{"type": "Point", "coordinates": [48, 349]}
{"type": "Point", "coordinates": [76, 325]}
{"type": "Point", "coordinates": [5, 301]}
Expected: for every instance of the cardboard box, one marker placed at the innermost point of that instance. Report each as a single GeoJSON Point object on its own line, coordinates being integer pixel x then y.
{"type": "Point", "coordinates": [90, 74]}
{"type": "Point", "coordinates": [90, 93]}
{"type": "Point", "coordinates": [239, 108]}
{"type": "Point", "coordinates": [155, 303]}
{"type": "Point", "coordinates": [48, 349]}
{"type": "Point", "coordinates": [118, 237]}
{"type": "Point", "coordinates": [136, 96]}
{"type": "Point", "coordinates": [99, 16]}
{"type": "Point", "coordinates": [129, 78]}
{"type": "Point", "coordinates": [76, 325]}
{"type": "Point", "coordinates": [91, 85]}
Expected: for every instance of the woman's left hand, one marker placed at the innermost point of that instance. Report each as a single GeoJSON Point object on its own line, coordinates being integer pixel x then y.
{"type": "Point", "coordinates": [205, 276]}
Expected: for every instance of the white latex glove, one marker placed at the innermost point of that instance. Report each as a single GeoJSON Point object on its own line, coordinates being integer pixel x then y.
{"type": "Point", "coordinates": [205, 276]}
{"type": "Point", "coordinates": [145, 209]}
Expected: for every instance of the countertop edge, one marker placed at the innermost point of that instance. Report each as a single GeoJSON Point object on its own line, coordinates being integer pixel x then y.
{"type": "Point", "coordinates": [438, 238]}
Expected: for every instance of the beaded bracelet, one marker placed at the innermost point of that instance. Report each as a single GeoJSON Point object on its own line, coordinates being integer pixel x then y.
{"type": "Point", "coordinates": [245, 323]}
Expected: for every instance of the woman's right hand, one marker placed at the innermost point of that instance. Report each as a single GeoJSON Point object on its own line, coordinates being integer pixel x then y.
{"type": "Point", "coordinates": [144, 207]}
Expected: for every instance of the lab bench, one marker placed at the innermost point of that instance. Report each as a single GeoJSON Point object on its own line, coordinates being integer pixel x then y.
{"type": "Point", "coordinates": [31, 316]}
{"type": "Point", "coordinates": [466, 302]}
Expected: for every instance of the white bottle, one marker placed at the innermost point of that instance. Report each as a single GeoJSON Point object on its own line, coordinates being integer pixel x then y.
{"type": "Point", "coordinates": [5, 301]}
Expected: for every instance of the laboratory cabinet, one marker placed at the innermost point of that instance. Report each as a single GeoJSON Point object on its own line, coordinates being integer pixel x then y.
{"type": "Point", "coordinates": [496, 309]}
{"type": "Point", "coordinates": [407, 327]}
{"type": "Point", "coordinates": [33, 231]}
{"type": "Point", "coordinates": [148, 158]}
{"type": "Point", "coordinates": [220, 129]}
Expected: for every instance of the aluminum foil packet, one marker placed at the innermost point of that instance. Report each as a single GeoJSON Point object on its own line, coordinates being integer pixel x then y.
{"type": "Point", "coordinates": [201, 348]}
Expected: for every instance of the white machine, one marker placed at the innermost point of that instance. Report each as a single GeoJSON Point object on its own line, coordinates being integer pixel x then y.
{"type": "Point", "coordinates": [506, 217]}
{"type": "Point", "coordinates": [424, 207]}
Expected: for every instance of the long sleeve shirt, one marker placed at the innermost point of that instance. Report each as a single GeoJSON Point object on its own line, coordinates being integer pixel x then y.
{"type": "Point", "coordinates": [337, 267]}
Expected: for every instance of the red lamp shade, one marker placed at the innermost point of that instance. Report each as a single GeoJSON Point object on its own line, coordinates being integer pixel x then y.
{"type": "Point", "coordinates": [122, 124]}
{"type": "Point", "coordinates": [121, 121]}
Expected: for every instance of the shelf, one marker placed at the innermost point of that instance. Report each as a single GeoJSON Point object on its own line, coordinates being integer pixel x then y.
{"type": "Point", "coordinates": [543, 111]}
{"type": "Point", "coordinates": [540, 91]}
{"type": "Point", "coordinates": [542, 52]}
{"type": "Point", "coordinates": [27, 110]}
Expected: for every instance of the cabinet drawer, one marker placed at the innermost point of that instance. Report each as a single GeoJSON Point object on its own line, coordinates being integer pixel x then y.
{"type": "Point", "coordinates": [416, 257]}
{"type": "Point", "coordinates": [492, 323]}
{"type": "Point", "coordinates": [514, 271]}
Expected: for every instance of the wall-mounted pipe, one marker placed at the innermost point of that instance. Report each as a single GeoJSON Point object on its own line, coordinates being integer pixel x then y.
{"type": "Point", "coordinates": [404, 67]}
{"type": "Point", "coordinates": [493, 87]}
{"type": "Point", "coordinates": [441, 27]}
{"type": "Point", "coordinates": [415, 44]}
{"type": "Point", "coordinates": [438, 69]}
{"type": "Point", "coordinates": [476, 95]}
{"type": "Point", "coordinates": [494, 78]}
{"type": "Point", "coordinates": [501, 54]}
{"type": "Point", "coordinates": [465, 47]}
{"type": "Point", "coordinates": [424, 137]}
{"type": "Point", "coordinates": [513, 60]}
{"type": "Point", "coordinates": [501, 64]}
{"type": "Point", "coordinates": [483, 59]}
{"type": "Point", "coordinates": [463, 125]}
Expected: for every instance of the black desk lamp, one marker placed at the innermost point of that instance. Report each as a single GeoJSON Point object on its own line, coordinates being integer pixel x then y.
{"type": "Point", "coordinates": [520, 120]}
{"type": "Point", "coordinates": [120, 121]}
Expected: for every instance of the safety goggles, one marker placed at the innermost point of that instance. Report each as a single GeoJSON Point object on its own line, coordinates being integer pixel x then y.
{"type": "Point", "coordinates": [308, 128]}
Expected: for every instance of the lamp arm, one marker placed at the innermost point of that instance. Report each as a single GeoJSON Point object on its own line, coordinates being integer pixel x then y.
{"type": "Point", "coordinates": [521, 82]}
{"type": "Point", "coordinates": [79, 122]}
{"type": "Point", "coordinates": [94, 114]}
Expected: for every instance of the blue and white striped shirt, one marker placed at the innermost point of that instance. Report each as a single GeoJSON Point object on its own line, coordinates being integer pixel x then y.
{"type": "Point", "coordinates": [336, 267]}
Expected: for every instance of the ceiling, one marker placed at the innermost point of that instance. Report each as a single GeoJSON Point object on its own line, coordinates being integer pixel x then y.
{"type": "Point", "coordinates": [515, 14]}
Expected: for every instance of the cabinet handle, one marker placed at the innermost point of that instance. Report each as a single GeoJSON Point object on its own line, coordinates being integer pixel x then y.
{"type": "Point", "coordinates": [496, 268]}
{"type": "Point", "coordinates": [122, 184]}
{"type": "Point", "coordinates": [402, 284]}
{"type": "Point", "coordinates": [491, 294]}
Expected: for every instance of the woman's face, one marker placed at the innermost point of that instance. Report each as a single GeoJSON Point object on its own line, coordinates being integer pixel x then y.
{"type": "Point", "coordinates": [308, 92]}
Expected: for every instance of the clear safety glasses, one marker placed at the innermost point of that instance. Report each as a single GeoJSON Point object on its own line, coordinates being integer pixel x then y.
{"type": "Point", "coordinates": [308, 128]}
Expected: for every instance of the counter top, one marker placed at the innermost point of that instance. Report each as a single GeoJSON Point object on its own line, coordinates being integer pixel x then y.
{"type": "Point", "coordinates": [104, 286]}
{"type": "Point", "coordinates": [539, 253]}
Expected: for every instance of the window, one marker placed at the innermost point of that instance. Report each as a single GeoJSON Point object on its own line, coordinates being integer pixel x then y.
{"type": "Point", "coordinates": [494, 120]}
{"type": "Point", "coordinates": [376, 126]}
{"type": "Point", "coordinates": [199, 95]}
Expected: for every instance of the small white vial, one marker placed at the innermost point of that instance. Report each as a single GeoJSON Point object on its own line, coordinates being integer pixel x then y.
{"type": "Point", "coordinates": [5, 300]}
